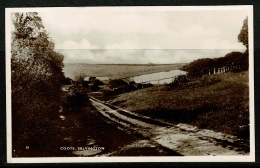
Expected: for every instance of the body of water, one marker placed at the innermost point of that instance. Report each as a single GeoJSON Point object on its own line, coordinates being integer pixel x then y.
{"type": "Point", "coordinates": [158, 78]}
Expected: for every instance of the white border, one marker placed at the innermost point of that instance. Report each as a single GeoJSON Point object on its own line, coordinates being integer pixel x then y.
{"type": "Point", "coordinates": [248, 158]}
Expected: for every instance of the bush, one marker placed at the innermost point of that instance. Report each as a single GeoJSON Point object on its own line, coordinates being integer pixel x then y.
{"type": "Point", "coordinates": [77, 97]}
{"type": "Point", "coordinates": [96, 84]}
{"type": "Point", "coordinates": [178, 81]}
{"type": "Point", "coordinates": [116, 83]}
{"type": "Point", "coordinates": [67, 81]}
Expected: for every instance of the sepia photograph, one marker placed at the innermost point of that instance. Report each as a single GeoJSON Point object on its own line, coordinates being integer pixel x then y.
{"type": "Point", "coordinates": [130, 84]}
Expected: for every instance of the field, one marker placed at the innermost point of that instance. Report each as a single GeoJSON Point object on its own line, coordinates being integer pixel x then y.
{"type": "Point", "coordinates": [114, 71]}
{"type": "Point", "coordinates": [223, 106]}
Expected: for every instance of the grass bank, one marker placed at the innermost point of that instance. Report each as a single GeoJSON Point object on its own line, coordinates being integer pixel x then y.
{"type": "Point", "coordinates": [222, 106]}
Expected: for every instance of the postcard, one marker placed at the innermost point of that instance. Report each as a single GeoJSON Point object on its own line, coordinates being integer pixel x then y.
{"type": "Point", "coordinates": [130, 84]}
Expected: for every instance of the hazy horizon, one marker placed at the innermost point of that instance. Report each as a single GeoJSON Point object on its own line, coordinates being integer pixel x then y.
{"type": "Point", "coordinates": [120, 63]}
{"type": "Point", "coordinates": [136, 56]}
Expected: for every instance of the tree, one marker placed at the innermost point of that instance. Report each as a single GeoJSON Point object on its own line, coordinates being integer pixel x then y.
{"type": "Point", "coordinates": [243, 35]}
{"type": "Point", "coordinates": [36, 78]}
{"type": "Point", "coordinates": [199, 67]}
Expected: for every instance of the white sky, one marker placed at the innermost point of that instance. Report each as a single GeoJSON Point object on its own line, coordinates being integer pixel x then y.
{"type": "Point", "coordinates": [144, 34]}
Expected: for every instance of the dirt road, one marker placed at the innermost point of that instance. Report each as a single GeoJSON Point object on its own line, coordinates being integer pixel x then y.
{"type": "Point", "coordinates": [182, 138]}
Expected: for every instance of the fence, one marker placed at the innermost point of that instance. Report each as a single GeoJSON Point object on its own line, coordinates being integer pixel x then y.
{"type": "Point", "coordinates": [224, 69]}
{"type": "Point", "coordinates": [215, 71]}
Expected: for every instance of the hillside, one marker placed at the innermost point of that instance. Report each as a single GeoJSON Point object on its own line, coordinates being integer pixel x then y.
{"type": "Point", "coordinates": [114, 71]}
{"type": "Point", "coordinates": [223, 106]}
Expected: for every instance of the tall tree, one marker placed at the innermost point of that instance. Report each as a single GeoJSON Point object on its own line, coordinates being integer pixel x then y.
{"type": "Point", "coordinates": [36, 75]}
{"type": "Point", "coordinates": [243, 35]}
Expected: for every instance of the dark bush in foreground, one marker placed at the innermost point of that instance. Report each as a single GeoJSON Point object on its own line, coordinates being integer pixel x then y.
{"type": "Point", "coordinates": [67, 81]}
{"type": "Point", "coordinates": [77, 96]}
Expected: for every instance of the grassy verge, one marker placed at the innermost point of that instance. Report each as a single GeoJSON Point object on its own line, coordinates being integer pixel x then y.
{"type": "Point", "coordinates": [222, 106]}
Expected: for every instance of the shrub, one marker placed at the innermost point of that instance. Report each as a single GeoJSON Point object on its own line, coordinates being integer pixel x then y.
{"type": "Point", "coordinates": [96, 84]}
{"type": "Point", "coordinates": [77, 97]}
{"type": "Point", "coordinates": [116, 83]}
{"type": "Point", "coordinates": [67, 81]}
{"type": "Point", "coordinates": [178, 81]}
{"type": "Point", "coordinates": [76, 100]}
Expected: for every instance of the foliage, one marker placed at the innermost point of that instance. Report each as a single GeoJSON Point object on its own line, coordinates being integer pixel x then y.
{"type": "Point", "coordinates": [243, 35]}
{"type": "Point", "coordinates": [36, 77]}
{"type": "Point", "coordinates": [178, 81]}
{"type": "Point", "coordinates": [77, 98]}
{"type": "Point", "coordinates": [67, 81]}
{"type": "Point", "coordinates": [80, 77]}
{"type": "Point", "coordinates": [96, 84]}
{"type": "Point", "coordinates": [117, 83]}
{"type": "Point", "coordinates": [201, 67]}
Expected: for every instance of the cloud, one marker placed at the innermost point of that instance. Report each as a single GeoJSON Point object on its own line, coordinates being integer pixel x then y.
{"type": "Point", "coordinates": [123, 45]}
{"type": "Point", "coordinates": [77, 56]}
{"type": "Point", "coordinates": [143, 35]}
{"type": "Point", "coordinates": [197, 30]}
{"type": "Point", "coordinates": [112, 21]}
{"type": "Point", "coordinates": [83, 44]}
{"type": "Point", "coordinates": [221, 44]}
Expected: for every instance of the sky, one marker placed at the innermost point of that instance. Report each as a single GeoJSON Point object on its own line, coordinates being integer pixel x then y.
{"type": "Point", "coordinates": [141, 35]}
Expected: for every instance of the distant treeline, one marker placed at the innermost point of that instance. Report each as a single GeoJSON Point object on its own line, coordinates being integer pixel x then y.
{"type": "Point", "coordinates": [234, 61]}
